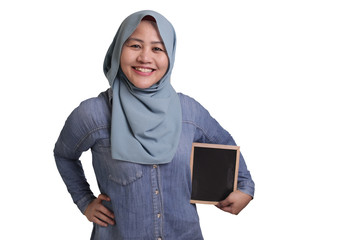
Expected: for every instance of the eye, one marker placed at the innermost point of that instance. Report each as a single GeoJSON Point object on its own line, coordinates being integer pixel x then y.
{"type": "Point", "coordinates": [157, 49]}
{"type": "Point", "coordinates": [135, 46]}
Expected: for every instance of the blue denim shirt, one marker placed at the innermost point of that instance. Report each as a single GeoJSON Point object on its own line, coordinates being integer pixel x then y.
{"type": "Point", "coordinates": [149, 201]}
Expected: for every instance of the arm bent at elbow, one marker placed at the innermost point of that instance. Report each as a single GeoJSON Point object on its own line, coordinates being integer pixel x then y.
{"type": "Point", "coordinates": [235, 202]}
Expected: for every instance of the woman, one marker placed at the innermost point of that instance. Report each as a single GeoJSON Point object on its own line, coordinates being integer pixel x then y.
{"type": "Point", "coordinates": [140, 133]}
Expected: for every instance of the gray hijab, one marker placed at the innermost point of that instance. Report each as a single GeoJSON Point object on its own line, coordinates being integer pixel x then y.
{"type": "Point", "coordinates": [146, 123]}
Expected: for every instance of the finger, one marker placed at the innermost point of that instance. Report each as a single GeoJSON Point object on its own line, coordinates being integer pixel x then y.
{"type": "Point", "coordinates": [94, 219]}
{"type": "Point", "coordinates": [104, 218]}
{"type": "Point", "coordinates": [227, 209]}
{"type": "Point", "coordinates": [104, 197]}
{"type": "Point", "coordinates": [106, 211]}
{"type": "Point", "coordinates": [99, 222]}
{"type": "Point", "coordinates": [224, 203]}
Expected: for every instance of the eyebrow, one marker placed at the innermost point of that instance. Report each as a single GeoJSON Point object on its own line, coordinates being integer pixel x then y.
{"type": "Point", "coordinates": [139, 40]}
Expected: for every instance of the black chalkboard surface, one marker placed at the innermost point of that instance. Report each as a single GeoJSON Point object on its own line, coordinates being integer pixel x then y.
{"type": "Point", "coordinates": [214, 172]}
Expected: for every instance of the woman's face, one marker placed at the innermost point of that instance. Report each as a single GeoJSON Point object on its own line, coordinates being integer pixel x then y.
{"type": "Point", "coordinates": [143, 58]}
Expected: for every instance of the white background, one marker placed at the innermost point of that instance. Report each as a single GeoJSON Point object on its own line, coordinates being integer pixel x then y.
{"type": "Point", "coordinates": [281, 76]}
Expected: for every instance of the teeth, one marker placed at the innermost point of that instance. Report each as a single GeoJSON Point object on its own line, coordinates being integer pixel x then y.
{"type": "Point", "coordinates": [144, 70]}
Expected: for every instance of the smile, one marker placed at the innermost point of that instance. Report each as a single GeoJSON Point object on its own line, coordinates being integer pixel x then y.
{"type": "Point", "coordinates": [143, 70]}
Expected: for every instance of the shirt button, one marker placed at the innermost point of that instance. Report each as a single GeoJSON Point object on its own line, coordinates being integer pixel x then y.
{"type": "Point", "coordinates": [154, 166]}
{"type": "Point", "coordinates": [159, 238]}
{"type": "Point", "coordinates": [156, 192]}
{"type": "Point", "coordinates": [158, 215]}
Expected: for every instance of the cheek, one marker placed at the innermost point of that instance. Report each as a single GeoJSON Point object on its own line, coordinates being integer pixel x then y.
{"type": "Point", "coordinates": [124, 59]}
{"type": "Point", "coordinates": [164, 62]}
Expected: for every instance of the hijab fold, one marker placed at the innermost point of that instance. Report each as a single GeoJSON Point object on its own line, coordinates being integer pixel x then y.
{"type": "Point", "coordinates": [146, 123]}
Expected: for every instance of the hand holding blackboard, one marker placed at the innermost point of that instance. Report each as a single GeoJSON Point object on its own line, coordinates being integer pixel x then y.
{"type": "Point", "coordinates": [214, 172]}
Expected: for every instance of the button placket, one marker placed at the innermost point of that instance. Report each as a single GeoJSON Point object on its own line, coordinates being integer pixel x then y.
{"type": "Point", "coordinates": [157, 204]}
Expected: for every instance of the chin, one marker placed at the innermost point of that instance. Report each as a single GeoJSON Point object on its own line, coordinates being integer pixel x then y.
{"type": "Point", "coordinates": [142, 85]}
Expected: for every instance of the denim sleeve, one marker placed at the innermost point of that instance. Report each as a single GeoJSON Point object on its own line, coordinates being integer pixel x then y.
{"type": "Point", "coordinates": [210, 131]}
{"type": "Point", "coordinates": [77, 136]}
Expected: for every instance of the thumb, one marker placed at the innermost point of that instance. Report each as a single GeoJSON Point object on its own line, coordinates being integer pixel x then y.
{"type": "Point", "coordinates": [224, 203]}
{"type": "Point", "coordinates": [104, 197]}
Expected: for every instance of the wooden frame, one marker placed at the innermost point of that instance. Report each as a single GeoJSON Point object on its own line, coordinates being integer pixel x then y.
{"type": "Point", "coordinates": [214, 172]}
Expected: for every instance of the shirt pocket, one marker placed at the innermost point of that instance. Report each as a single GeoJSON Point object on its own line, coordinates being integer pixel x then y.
{"type": "Point", "coordinates": [120, 172]}
{"type": "Point", "coordinates": [123, 172]}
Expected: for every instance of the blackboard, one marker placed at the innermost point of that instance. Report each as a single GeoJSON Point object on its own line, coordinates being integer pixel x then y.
{"type": "Point", "coordinates": [214, 172]}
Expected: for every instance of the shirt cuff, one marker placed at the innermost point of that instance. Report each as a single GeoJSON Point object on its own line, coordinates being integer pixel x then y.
{"type": "Point", "coordinates": [247, 187]}
{"type": "Point", "coordinates": [84, 202]}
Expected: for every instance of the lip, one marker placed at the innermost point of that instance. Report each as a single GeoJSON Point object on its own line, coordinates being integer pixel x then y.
{"type": "Point", "coordinates": [142, 73]}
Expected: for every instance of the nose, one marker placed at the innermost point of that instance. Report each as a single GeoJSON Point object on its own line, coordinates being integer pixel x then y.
{"type": "Point", "coordinates": [144, 56]}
